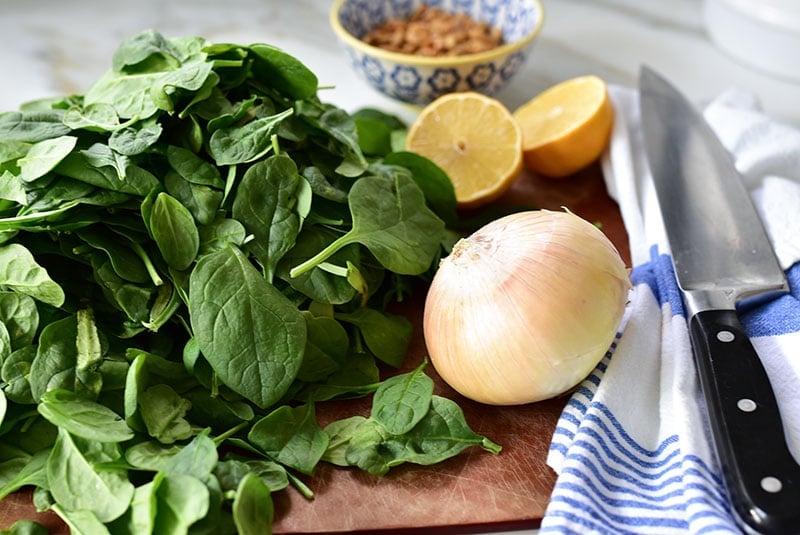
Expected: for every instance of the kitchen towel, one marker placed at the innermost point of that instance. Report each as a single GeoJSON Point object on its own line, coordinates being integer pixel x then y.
{"type": "Point", "coordinates": [632, 448]}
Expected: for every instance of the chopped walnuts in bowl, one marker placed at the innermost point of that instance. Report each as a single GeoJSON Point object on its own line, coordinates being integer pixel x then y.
{"type": "Point", "coordinates": [431, 31]}
{"type": "Point", "coordinates": [417, 50]}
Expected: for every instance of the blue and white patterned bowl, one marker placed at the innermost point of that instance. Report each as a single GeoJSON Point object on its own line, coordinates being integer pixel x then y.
{"type": "Point", "coordinates": [420, 80]}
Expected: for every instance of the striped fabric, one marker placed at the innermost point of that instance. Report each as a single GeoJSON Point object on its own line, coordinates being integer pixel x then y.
{"type": "Point", "coordinates": [632, 446]}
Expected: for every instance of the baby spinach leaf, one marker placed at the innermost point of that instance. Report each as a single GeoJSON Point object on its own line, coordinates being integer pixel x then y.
{"type": "Point", "coordinates": [432, 180]}
{"type": "Point", "coordinates": [291, 436]}
{"type": "Point", "coordinates": [32, 126]}
{"type": "Point", "coordinates": [56, 356]}
{"type": "Point", "coordinates": [78, 165]}
{"type": "Point", "coordinates": [140, 516]}
{"type": "Point", "coordinates": [249, 332]}
{"type": "Point", "coordinates": [98, 117]}
{"type": "Point", "coordinates": [135, 139]}
{"type": "Point", "coordinates": [403, 400]}
{"type": "Point", "coordinates": [339, 434]}
{"type": "Point", "coordinates": [25, 527]}
{"type": "Point", "coordinates": [203, 202]}
{"type": "Point", "coordinates": [126, 263]}
{"type": "Point", "coordinates": [327, 345]}
{"type": "Point", "coordinates": [20, 316]}
{"type": "Point", "coordinates": [390, 218]}
{"type": "Point", "coordinates": [180, 501]}
{"type": "Point", "coordinates": [81, 521]}
{"type": "Point", "coordinates": [269, 203]}
{"type": "Point", "coordinates": [243, 144]}
{"type": "Point", "coordinates": [151, 455]}
{"type": "Point", "coordinates": [441, 434]}
{"type": "Point", "coordinates": [174, 231]}
{"type": "Point", "coordinates": [20, 272]}
{"type": "Point", "coordinates": [193, 168]}
{"type": "Point", "coordinates": [16, 367]}
{"type": "Point", "coordinates": [197, 459]}
{"type": "Point", "coordinates": [252, 507]}
{"type": "Point", "coordinates": [77, 486]}
{"type": "Point", "coordinates": [230, 473]}
{"type": "Point", "coordinates": [44, 156]}
{"type": "Point", "coordinates": [163, 412]}
{"type": "Point", "coordinates": [386, 336]}
{"type": "Point", "coordinates": [23, 471]}
{"type": "Point", "coordinates": [82, 417]}
{"type": "Point", "coordinates": [284, 72]}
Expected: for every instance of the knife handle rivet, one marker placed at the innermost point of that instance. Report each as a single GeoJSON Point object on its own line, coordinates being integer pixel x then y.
{"type": "Point", "coordinates": [771, 484]}
{"type": "Point", "coordinates": [746, 405]}
{"type": "Point", "coordinates": [725, 336]}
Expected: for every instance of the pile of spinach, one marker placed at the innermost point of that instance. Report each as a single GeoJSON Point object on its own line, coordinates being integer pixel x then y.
{"type": "Point", "coordinates": [193, 254]}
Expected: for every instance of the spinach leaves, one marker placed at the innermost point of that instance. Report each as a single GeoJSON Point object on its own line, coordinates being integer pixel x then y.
{"type": "Point", "coordinates": [196, 252]}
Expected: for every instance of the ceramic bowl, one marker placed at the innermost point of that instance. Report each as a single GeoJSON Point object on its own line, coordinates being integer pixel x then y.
{"type": "Point", "coordinates": [419, 80]}
{"type": "Point", "coordinates": [764, 34]}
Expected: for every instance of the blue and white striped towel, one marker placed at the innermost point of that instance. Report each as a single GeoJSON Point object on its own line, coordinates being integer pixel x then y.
{"type": "Point", "coordinates": [632, 447]}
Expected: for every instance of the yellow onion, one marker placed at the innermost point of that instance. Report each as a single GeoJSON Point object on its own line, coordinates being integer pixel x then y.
{"type": "Point", "coordinates": [524, 309]}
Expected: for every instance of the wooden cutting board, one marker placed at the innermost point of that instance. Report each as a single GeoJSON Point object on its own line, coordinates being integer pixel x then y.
{"type": "Point", "coordinates": [475, 491]}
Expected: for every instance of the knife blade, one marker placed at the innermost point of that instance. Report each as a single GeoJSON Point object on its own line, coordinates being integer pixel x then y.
{"type": "Point", "coordinates": [723, 262]}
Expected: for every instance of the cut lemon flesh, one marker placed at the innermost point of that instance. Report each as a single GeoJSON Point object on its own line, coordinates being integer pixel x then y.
{"type": "Point", "coordinates": [566, 127]}
{"type": "Point", "coordinates": [475, 140]}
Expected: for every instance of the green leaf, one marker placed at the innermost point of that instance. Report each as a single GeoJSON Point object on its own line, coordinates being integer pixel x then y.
{"type": "Point", "coordinates": [252, 507]}
{"type": "Point", "coordinates": [82, 417]}
{"type": "Point", "coordinates": [193, 168]}
{"type": "Point", "coordinates": [23, 471]}
{"type": "Point", "coordinates": [403, 400]}
{"type": "Point", "coordinates": [291, 436]}
{"type": "Point", "coordinates": [163, 412]}
{"type": "Point", "coordinates": [197, 459]}
{"type": "Point", "coordinates": [32, 126]}
{"type": "Point", "coordinates": [77, 486]}
{"type": "Point", "coordinates": [81, 521]}
{"type": "Point", "coordinates": [284, 72]}
{"type": "Point", "coordinates": [339, 434]}
{"type": "Point", "coordinates": [181, 500]}
{"type": "Point", "coordinates": [268, 205]}
{"type": "Point", "coordinates": [432, 180]}
{"type": "Point", "coordinates": [56, 357]}
{"type": "Point", "coordinates": [243, 144]}
{"type": "Point", "coordinates": [25, 527]}
{"type": "Point", "coordinates": [140, 516]}
{"type": "Point", "coordinates": [20, 272]}
{"type": "Point", "coordinates": [174, 231]}
{"type": "Point", "coordinates": [390, 218]}
{"type": "Point", "coordinates": [44, 156]}
{"type": "Point", "coordinates": [387, 336]}
{"type": "Point", "coordinates": [252, 336]}
{"type": "Point", "coordinates": [441, 434]}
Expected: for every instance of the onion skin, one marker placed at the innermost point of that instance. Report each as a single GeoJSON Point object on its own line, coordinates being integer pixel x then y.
{"type": "Point", "coordinates": [524, 309]}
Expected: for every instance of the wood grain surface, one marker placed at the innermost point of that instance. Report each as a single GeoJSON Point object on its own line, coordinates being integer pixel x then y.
{"type": "Point", "coordinates": [475, 491]}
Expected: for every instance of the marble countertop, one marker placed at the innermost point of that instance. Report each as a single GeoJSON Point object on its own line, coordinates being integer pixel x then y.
{"type": "Point", "coordinates": [51, 47]}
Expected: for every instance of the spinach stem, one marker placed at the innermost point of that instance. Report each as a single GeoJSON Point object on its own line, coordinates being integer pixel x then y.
{"type": "Point", "coordinates": [300, 486]}
{"type": "Point", "coordinates": [321, 256]}
{"type": "Point", "coordinates": [148, 264]}
{"type": "Point", "coordinates": [219, 439]}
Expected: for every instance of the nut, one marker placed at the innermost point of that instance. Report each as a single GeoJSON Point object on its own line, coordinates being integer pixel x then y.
{"type": "Point", "coordinates": [431, 31]}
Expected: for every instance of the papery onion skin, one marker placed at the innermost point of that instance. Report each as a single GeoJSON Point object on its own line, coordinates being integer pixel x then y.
{"type": "Point", "coordinates": [524, 309]}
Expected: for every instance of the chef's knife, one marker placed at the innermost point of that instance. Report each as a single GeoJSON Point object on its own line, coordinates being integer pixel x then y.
{"type": "Point", "coordinates": [723, 261]}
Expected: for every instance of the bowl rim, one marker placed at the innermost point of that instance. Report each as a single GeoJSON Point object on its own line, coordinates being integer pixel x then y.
{"type": "Point", "coordinates": [412, 59]}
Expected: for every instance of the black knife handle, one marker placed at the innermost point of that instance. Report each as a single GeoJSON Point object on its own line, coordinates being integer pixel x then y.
{"type": "Point", "coordinates": [761, 475]}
